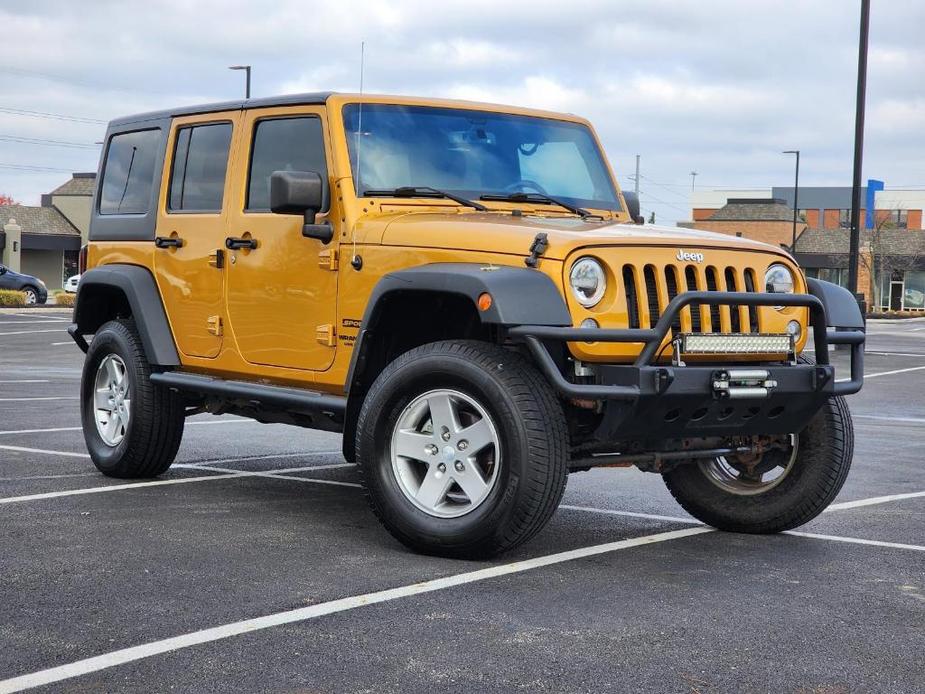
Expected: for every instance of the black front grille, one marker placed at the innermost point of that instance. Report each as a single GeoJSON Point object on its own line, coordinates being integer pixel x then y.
{"type": "Point", "coordinates": [670, 280]}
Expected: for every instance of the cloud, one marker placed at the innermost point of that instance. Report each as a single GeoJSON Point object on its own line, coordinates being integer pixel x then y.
{"type": "Point", "coordinates": [720, 88]}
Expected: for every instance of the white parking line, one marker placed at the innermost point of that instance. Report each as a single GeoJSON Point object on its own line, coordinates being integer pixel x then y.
{"type": "Point", "coordinates": [128, 655]}
{"type": "Point", "coordinates": [841, 506]}
{"type": "Point", "coordinates": [856, 540]}
{"type": "Point", "coordinates": [891, 373]}
{"type": "Point", "coordinates": [32, 321]}
{"type": "Point", "coordinates": [631, 514]}
{"type": "Point", "coordinates": [56, 397]}
{"type": "Point", "coordinates": [911, 420]}
{"type": "Point", "coordinates": [30, 332]}
{"type": "Point", "coordinates": [13, 432]}
{"type": "Point", "coordinates": [22, 449]}
{"type": "Point", "coordinates": [229, 474]}
{"type": "Point", "coordinates": [28, 380]}
{"type": "Point", "coordinates": [59, 344]}
{"type": "Point", "coordinates": [895, 354]}
{"type": "Point", "coordinates": [281, 475]}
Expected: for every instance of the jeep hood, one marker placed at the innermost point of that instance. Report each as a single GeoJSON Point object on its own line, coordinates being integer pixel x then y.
{"type": "Point", "coordinates": [499, 232]}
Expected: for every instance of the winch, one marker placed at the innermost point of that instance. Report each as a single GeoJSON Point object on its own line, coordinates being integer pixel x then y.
{"type": "Point", "coordinates": [742, 384]}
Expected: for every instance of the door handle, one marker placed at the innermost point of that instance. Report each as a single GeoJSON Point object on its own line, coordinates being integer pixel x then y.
{"type": "Point", "coordinates": [233, 243]}
{"type": "Point", "coordinates": [168, 242]}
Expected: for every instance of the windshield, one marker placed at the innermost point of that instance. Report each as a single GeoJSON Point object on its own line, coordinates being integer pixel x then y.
{"type": "Point", "coordinates": [475, 153]}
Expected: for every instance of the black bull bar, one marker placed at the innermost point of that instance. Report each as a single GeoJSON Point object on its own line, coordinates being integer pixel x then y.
{"type": "Point", "coordinates": [682, 400]}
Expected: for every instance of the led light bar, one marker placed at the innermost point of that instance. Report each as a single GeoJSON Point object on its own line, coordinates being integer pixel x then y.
{"type": "Point", "coordinates": [736, 343]}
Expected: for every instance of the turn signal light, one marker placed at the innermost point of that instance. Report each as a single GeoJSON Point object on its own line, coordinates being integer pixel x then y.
{"type": "Point", "coordinates": [484, 301]}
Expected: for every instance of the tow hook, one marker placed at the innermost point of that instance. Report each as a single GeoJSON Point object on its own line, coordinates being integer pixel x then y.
{"type": "Point", "coordinates": [742, 384]}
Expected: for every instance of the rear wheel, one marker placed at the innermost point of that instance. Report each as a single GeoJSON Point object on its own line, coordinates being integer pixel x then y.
{"type": "Point", "coordinates": [463, 449]}
{"type": "Point", "coordinates": [780, 489]}
{"type": "Point", "coordinates": [132, 427]}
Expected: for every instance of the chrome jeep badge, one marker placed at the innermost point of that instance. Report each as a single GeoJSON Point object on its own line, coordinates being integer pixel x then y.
{"type": "Point", "coordinates": [685, 256]}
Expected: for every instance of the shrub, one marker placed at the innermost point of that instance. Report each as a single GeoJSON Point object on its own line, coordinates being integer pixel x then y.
{"type": "Point", "coordinates": [64, 299]}
{"type": "Point", "coordinates": [11, 298]}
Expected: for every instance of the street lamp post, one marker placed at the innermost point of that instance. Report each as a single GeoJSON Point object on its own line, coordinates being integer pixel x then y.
{"type": "Point", "coordinates": [247, 77]}
{"type": "Point", "coordinates": [796, 198]}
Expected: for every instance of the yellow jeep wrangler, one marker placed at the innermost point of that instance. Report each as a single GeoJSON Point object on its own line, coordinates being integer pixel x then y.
{"type": "Point", "coordinates": [463, 291]}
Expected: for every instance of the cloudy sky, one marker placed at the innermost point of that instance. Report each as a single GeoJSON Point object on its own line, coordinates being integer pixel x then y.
{"type": "Point", "coordinates": [719, 87]}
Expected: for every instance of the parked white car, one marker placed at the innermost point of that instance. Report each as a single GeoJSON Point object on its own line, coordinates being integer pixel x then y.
{"type": "Point", "coordinates": [71, 285]}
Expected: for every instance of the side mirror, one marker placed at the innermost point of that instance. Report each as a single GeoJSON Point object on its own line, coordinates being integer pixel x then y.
{"type": "Point", "coordinates": [300, 192]}
{"type": "Point", "coordinates": [632, 206]}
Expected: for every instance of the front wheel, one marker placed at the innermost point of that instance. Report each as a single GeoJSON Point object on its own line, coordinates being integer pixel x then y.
{"type": "Point", "coordinates": [32, 295]}
{"type": "Point", "coordinates": [463, 449]}
{"type": "Point", "coordinates": [782, 489]}
{"type": "Point", "coordinates": [131, 426]}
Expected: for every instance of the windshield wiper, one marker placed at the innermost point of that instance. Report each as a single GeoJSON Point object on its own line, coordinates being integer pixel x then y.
{"type": "Point", "coordinates": [539, 197]}
{"type": "Point", "coordinates": [424, 192]}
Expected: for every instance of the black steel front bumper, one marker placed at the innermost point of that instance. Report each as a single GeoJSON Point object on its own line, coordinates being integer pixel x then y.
{"type": "Point", "coordinates": [644, 399]}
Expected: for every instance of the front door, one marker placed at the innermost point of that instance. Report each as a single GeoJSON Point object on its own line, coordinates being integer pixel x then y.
{"type": "Point", "coordinates": [190, 239]}
{"type": "Point", "coordinates": [896, 296]}
{"type": "Point", "coordinates": [281, 293]}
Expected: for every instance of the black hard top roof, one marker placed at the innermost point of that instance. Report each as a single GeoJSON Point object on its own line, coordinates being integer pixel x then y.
{"type": "Point", "coordinates": [284, 100]}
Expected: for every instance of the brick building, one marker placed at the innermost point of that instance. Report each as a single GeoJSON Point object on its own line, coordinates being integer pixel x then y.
{"type": "Point", "coordinates": [891, 271]}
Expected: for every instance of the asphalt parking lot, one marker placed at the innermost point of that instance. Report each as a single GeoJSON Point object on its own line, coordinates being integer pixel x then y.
{"type": "Point", "coordinates": [254, 565]}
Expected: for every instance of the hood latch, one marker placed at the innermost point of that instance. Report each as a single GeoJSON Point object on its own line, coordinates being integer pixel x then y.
{"type": "Point", "coordinates": [537, 248]}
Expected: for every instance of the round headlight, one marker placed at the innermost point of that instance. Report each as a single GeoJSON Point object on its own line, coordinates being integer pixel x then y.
{"type": "Point", "coordinates": [588, 281]}
{"type": "Point", "coordinates": [778, 280]}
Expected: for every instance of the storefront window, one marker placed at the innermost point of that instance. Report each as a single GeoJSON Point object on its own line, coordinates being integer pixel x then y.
{"type": "Point", "coordinates": [914, 290]}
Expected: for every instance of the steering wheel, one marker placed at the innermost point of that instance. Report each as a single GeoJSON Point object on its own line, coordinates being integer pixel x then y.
{"type": "Point", "coordinates": [519, 186]}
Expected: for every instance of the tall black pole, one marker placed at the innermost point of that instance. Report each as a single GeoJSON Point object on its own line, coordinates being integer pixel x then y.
{"type": "Point", "coordinates": [854, 246]}
{"type": "Point", "coordinates": [247, 86]}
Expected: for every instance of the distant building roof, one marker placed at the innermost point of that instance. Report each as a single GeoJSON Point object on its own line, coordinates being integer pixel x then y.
{"type": "Point", "coordinates": [37, 220]}
{"type": "Point", "coordinates": [908, 242]}
{"type": "Point", "coordinates": [753, 210]}
{"type": "Point", "coordinates": [80, 184]}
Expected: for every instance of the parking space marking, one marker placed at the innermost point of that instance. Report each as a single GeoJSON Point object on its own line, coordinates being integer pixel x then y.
{"type": "Point", "coordinates": [134, 653]}
{"type": "Point", "coordinates": [872, 501]}
{"type": "Point", "coordinates": [268, 456]}
{"type": "Point", "coordinates": [33, 321]}
{"type": "Point", "coordinates": [911, 420]}
{"type": "Point", "coordinates": [856, 540]}
{"type": "Point", "coordinates": [23, 449]}
{"type": "Point", "coordinates": [55, 397]}
{"type": "Point", "coordinates": [630, 514]}
{"type": "Point", "coordinates": [59, 344]}
{"type": "Point", "coordinates": [223, 475]}
{"type": "Point", "coordinates": [28, 380]}
{"type": "Point", "coordinates": [894, 354]}
{"type": "Point", "coordinates": [891, 373]}
{"type": "Point", "coordinates": [281, 475]}
{"type": "Point", "coordinates": [30, 332]}
{"type": "Point", "coordinates": [13, 432]}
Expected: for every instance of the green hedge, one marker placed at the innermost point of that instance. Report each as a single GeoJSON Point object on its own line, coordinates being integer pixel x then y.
{"type": "Point", "coordinates": [10, 298]}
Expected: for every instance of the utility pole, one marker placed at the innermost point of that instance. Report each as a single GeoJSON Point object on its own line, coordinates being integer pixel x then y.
{"type": "Point", "coordinates": [636, 180]}
{"type": "Point", "coordinates": [854, 246]}
{"type": "Point", "coordinates": [247, 78]}
{"type": "Point", "coordinates": [796, 198]}
{"type": "Point", "coordinates": [693, 178]}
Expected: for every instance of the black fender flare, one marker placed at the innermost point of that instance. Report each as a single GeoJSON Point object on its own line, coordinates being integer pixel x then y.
{"type": "Point", "coordinates": [137, 284]}
{"type": "Point", "coordinates": [519, 296]}
{"type": "Point", "coordinates": [841, 308]}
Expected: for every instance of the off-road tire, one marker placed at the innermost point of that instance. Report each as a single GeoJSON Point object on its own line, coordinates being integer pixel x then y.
{"type": "Point", "coordinates": [155, 426]}
{"type": "Point", "coordinates": [529, 422]}
{"type": "Point", "coordinates": [824, 453]}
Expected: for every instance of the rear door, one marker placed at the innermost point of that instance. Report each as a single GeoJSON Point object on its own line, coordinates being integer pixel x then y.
{"type": "Point", "coordinates": [189, 259]}
{"type": "Point", "coordinates": [282, 294]}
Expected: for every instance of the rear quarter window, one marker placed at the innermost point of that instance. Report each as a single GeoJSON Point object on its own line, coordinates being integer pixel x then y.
{"type": "Point", "coordinates": [128, 173]}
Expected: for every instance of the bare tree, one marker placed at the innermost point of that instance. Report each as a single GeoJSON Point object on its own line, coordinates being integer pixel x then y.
{"type": "Point", "coordinates": [883, 256]}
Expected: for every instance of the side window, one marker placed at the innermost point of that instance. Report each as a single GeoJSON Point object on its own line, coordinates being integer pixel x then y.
{"type": "Point", "coordinates": [197, 181]}
{"type": "Point", "coordinates": [128, 174]}
{"type": "Point", "coordinates": [284, 144]}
